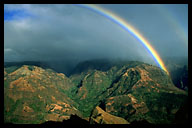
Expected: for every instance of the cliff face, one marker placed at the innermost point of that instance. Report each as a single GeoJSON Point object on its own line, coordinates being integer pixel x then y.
{"type": "Point", "coordinates": [123, 93]}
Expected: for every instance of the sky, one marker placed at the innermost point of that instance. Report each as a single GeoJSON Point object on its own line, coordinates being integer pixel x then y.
{"type": "Point", "coordinates": [71, 32]}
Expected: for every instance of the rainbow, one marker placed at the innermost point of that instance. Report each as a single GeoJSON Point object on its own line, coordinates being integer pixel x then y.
{"type": "Point", "coordinates": [126, 26]}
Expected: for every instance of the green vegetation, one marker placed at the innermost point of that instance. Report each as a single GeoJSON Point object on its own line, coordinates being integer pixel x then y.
{"type": "Point", "coordinates": [11, 69]}
{"type": "Point", "coordinates": [135, 97]}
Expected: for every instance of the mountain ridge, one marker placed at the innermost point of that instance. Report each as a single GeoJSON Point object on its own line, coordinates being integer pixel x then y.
{"type": "Point", "coordinates": [91, 88]}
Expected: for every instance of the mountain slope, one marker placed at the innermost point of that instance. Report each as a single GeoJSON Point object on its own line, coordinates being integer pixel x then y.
{"type": "Point", "coordinates": [34, 95]}
{"type": "Point", "coordinates": [139, 84]}
{"type": "Point", "coordinates": [134, 91]}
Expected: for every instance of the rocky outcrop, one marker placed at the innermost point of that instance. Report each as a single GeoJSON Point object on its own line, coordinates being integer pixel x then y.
{"type": "Point", "coordinates": [99, 116]}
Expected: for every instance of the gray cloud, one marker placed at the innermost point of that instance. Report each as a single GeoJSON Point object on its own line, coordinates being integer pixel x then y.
{"type": "Point", "coordinates": [59, 32]}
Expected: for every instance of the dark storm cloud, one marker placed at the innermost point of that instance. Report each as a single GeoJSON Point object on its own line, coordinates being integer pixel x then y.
{"type": "Point", "coordinates": [59, 32]}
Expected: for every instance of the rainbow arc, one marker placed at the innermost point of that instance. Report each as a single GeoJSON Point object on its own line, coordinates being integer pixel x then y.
{"type": "Point", "coordinates": [126, 26]}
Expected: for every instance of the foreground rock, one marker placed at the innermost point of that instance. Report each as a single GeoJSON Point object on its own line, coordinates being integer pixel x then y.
{"type": "Point", "coordinates": [101, 117]}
